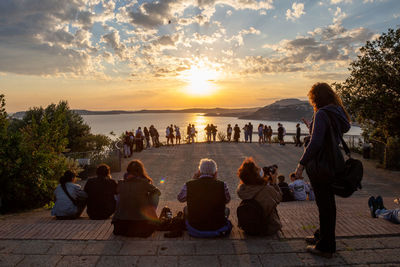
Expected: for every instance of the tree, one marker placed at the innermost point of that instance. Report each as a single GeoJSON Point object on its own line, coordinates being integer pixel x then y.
{"type": "Point", "coordinates": [372, 91]}
{"type": "Point", "coordinates": [31, 161]}
{"type": "Point", "coordinates": [77, 131]}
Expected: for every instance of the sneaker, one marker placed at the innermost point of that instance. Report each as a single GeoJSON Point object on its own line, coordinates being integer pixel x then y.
{"type": "Point", "coordinates": [315, 251]}
{"type": "Point", "coordinates": [372, 206]}
{"type": "Point", "coordinates": [379, 203]}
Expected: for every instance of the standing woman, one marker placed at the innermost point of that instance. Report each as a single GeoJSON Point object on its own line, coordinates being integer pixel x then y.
{"type": "Point", "coordinates": [326, 104]}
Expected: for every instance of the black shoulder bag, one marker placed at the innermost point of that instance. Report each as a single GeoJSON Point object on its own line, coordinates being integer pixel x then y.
{"type": "Point", "coordinates": [81, 203]}
{"type": "Point", "coordinates": [329, 165]}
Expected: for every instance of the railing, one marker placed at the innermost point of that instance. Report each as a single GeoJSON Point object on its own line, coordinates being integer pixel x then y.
{"type": "Point", "coordinates": [89, 160]}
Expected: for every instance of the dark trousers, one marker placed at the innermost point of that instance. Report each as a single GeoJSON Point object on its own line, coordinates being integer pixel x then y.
{"type": "Point", "coordinates": [325, 199]}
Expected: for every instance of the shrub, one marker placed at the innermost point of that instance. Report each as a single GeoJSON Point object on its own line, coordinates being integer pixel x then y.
{"type": "Point", "coordinates": [392, 153]}
{"type": "Point", "coordinates": [221, 136]}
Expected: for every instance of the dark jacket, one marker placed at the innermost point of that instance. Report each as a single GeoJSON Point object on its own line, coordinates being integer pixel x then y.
{"type": "Point", "coordinates": [101, 193]}
{"type": "Point", "coordinates": [138, 200]}
{"type": "Point", "coordinates": [318, 128]}
{"type": "Point", "coordinates": [206, 204]}
{"type": "Point", "coordinates": [287, 195]}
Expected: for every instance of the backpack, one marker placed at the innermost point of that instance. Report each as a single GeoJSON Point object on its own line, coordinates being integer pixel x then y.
{"type": "Point", "coordinates": [346, 176]}
{"type": "Point", "coordinates": [250, 217]}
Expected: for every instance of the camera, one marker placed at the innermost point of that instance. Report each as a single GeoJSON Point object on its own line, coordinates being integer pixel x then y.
{"type": "Point", "coordinates": [270, 170]}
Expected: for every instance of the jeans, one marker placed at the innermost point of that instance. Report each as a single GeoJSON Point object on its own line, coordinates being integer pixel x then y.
{"type": "Point", "coordinates": [390, 215]}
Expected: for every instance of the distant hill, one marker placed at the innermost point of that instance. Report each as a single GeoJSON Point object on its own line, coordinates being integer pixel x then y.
{"type": "Point", "coordinates": [290, 109]}
{"type": "Point", "coordinates": [207, 111]}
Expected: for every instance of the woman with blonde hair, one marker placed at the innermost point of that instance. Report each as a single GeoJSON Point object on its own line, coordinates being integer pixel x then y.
{"type": "Point", "coordinates": [137, 203]}
{"type": "Point", "coordinates": [328, 112]}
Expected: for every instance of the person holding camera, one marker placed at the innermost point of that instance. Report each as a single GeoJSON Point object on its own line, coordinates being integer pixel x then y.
{"type": "Point", "coordinates": [264, 191]}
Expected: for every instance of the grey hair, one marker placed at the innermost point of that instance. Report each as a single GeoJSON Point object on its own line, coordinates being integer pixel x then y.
{"type": "Point", "coordinates": [208, 166]}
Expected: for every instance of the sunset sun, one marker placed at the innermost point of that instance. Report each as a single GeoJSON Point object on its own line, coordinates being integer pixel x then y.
{"type": "Point", "coordinates": [200, 80]}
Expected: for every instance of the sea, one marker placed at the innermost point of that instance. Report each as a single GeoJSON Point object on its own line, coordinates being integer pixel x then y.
{"type": "Point", "coordinates": [114, 125]}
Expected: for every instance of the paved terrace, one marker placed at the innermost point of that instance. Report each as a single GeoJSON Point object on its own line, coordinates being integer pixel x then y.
{"type": "Point", "coordinates": [36, 239]}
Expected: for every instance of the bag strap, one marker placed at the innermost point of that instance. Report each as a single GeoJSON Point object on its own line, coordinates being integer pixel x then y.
{"type": "Point", "coordinates": [68, 195]}
{"type": "Point", "coordinates": [332, 123]}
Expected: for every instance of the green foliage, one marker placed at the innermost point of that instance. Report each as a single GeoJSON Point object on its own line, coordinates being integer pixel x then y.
{"type": "Point", "coordinates": [392, 153]}
{"type": "Point", "coordinates": [77, 131]}
{"type": "Point", "coordinates": [31, 153]}
{"type": "Point", "coordinates": [31, 160]}
{"type": "Point", "coordinates": [372, 92]}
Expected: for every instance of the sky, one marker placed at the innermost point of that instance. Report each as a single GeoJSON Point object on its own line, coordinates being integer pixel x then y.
{"type": "Point", "coordinates": [131, 55]}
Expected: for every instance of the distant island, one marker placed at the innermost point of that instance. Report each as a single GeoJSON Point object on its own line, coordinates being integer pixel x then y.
{"type": "Point", "coordinates": [211, 111]}
{"type": "Point", "coordinates": [290, 109]}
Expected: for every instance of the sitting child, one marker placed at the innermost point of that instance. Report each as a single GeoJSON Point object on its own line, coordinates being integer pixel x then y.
{"type": "Point", "coordinates": [299, 188]}
{"type": "Point", "coordinates": [206, 196]}
{"type": "Point", "coordinates": [379, 211]}
{"type": "Point", "coordinates": [287, 195]}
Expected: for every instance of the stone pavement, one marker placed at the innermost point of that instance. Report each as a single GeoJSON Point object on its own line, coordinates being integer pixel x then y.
{"type": "Point", "coordinates": [35, 239]}
{"type": "Point", "coordinates": [217, 252]}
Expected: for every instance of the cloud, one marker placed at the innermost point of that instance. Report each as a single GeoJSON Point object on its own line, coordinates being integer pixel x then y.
{"type": "Point", "coordinates": [331, 44]}
{"type": "Point", "coordinates": [113, 40]}
{"type": "Point", "coordinates": [154, 14]}
{"type": "Point", "coordinates": [335, 2]}
{"type": "Point", "coordinates": [296, 12]}
{"type": "Point", "coordinates": [35, 38]}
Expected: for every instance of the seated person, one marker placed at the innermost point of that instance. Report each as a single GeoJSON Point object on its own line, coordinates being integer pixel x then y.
{"type": "Point", "coordinates": [378, 210]}
{"type": "Point", "coordinates": [287, 195]}
{"type": "Point", "coordinates": [267, 194]}
{"type": "Point", "coordinates": [101, 193]}
{"type": "Point", "coordinates": [70, 199]}
{"type": "Point", "coordinates": [206, 196]}
{"type": "Point", "coordinates": [299, 188]}
{"type": "Point", "coordinates": [137, 202]}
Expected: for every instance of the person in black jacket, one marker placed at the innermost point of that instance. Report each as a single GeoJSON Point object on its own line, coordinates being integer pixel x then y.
{"type": "Point", "coordinates": [101, 193]}
{"type": "Point", "coordinates": [206, 197]}
{"type": "Point", "coordinates": [325, 103]}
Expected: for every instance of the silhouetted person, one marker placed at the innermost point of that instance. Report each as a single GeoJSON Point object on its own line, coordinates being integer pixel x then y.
{"type": "Point", "coordinates": [236, 135]}
{"type": "Point", "coordinates": [101, 193]}
{"type": "Point", "coordinates": [328, 110]}
{"type": "Point", "coordinates": [214, 132]}
{"type": "Point", "coordinates": [250, 131]}
{"type": "Point", "coordinates": [229, 132]}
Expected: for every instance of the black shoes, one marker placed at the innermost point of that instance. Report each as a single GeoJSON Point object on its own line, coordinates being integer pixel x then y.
{"type": "Point", "coordinates": [379, 203]}
{"type": "Point", "coordinates": [315, 251]}
{"type": "Point", "coordinates": [372, 206]}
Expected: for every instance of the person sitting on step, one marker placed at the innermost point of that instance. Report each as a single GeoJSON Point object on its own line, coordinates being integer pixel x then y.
{"type": "Point", "coordinates": [137, 202]}
{"type": "Point", "coordinates": [206, 197]}
{"type": "Point", "coordinates": [101, 193]}
{"type": "Point", "coordinates": [70, 199]}
{"type": "Point", "coordinates": [378, 210]}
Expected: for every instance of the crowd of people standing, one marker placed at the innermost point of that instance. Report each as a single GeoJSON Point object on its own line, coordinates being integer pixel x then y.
{"type": "Point", "coordinates": [137, 140]}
